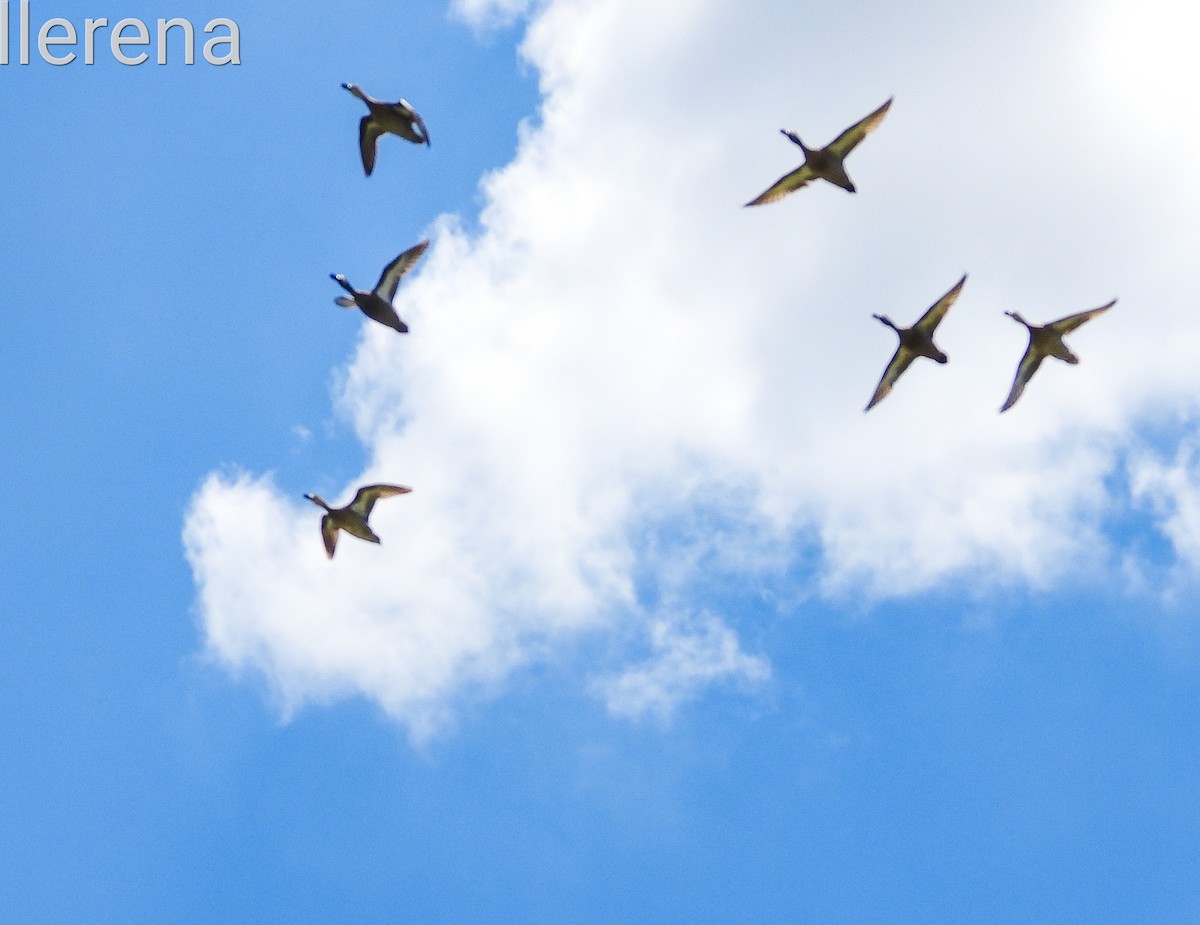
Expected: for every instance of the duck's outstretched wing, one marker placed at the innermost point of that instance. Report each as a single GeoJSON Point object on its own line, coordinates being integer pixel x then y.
{"type": "Point", "coordinates": [1071, 322]}
{"type": "Point", "coordinates": [901, 360]}
{"type": "Point", "coordinates": [788, 183]}
{"type": "Point", "coordinates": [366, 497]}
{"type": "Point", "coordinates": [390, 278]}
{"type": "Point", "coordinates": [933, 317]}
{"type": "Point", "coordinates": [1025, 370]}
{"type": "Point", "coordinates": [329, 533]}
{"type": "Point", "coordinates": [421, 125]}
{"type": "Point", "coordinates": [368, 134]}
{"type": "Point", "coordinates": [849, 139]}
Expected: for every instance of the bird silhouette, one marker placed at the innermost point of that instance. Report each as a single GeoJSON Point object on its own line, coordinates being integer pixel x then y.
{"type": "Point", "coordinates": [1046, 341]}
{"type": "Point", "coordinates": [398, 118]}
{"type": "Point", "coordinates": [825, 163]}
{"type": "Point", "coordinates": [916, 341]}
{"type": "Point", "coordinates": [353, 517]}
{"type": "Point", "coordinates": [376, 304]}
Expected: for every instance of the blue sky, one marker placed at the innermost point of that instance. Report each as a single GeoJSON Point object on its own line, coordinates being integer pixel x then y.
{"type": "Point", "coordinates": [668, 629]}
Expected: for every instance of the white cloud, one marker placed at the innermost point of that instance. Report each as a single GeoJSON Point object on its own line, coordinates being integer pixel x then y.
{"type": "Point", "coordinates": [490, 13]}
{"type": "Point", "coordinates": [1171, 491]}
{"type": "Point", "coordinates": [623, 342]}
{"type": "Point", "coordinates": [684, 659]}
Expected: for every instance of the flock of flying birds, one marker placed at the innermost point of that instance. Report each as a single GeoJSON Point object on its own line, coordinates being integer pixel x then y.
{"type": "Point", "coordinates": [827, 163]}
{"type": "Point", "coordinates": [401, 119]}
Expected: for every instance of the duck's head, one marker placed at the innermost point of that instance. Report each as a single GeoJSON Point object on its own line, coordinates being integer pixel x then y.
{"type": "Point", "coordinates": [884, 319]}
{"type": "Point", "coordinates": [1016, 317]}
{"type": "Point", "coordinates": [795, 139]}
{"type": "Point", "coordinates": [342, 281]}
{"type": "Point", "coordinates": [317, 500]}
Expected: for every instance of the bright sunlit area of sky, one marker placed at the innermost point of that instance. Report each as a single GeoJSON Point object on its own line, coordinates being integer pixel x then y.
{"type": "Point", "coordinates": [668, 629]}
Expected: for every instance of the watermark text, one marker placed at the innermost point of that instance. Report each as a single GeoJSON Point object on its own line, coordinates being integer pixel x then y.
{"type": "Point", "coordinates": [57, 39]}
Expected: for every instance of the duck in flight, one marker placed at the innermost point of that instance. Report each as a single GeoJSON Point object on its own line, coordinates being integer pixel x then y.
{"type": "Point", "coordinates": [353, 517]}
{"type": "Point", "coordinates": [377, 304]}
{"type": "Point", "coordinates": [398, 118]}
{"type": "Point", "coordinates": [1046, 341]}
{"type": "Point", "coordinates": [825, 163]}
{"type": "Point", "coordinates": [916, 341]}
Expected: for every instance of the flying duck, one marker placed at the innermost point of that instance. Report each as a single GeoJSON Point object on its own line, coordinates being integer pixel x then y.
{"type": "Point", "coordinates": [398, 118]}
{"type": "Point", "coordinates": [1046, 340]}
{"type": "Point", "coordinates": [353, 517]}
{"type": "Point", "coordinates": [825, 163]}
{"type": "Point", "coordinates": [916, 341]}
{"type": "Point", "coordinates": [377, 304]}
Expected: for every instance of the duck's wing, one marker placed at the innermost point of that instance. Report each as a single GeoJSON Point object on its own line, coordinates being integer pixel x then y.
{"type": "Point", "coordinates": [1025, 370]}
{"type": "Point", "coordinates": [788, 183]}
{"type": "Point", "coordinates": [846, 142]}
{"type": "Point", "coordinates": [368, 134]}
{"type": "Point", "coordinates": [901, 360]}
{"type": "Point", "coordinates": [1071, 322]}
{"type": "Point", "coordinates": [390, 279]}
{"type": "Point", "coordinates": [329, 532]}
{"type": "Point", "coordinates": [932, 318]}
{"type": "Point", "coordinates": [421, 125]}
{"type": "Point", "coordinates": [366, 497]}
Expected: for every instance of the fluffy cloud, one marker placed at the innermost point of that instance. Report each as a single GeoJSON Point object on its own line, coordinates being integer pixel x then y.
{"type": "Point", "coordinates": [1170, 490]}
{"type": "Point", "coordinates": [683, 660]}
{"type": "Point", "coordinates": [622, 345]}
